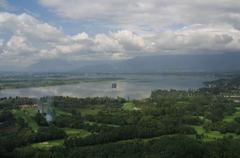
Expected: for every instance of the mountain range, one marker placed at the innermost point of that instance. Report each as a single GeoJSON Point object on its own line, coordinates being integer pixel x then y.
{"type": "Point", "coordinates": [146, 64]}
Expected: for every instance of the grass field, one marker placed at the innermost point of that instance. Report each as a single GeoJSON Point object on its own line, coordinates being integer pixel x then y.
{"type": "Point", "coordinates": [76, 132]}
{"type": "Point", "coordinates": [212, 135]}
{"type": "Point", "coordinates": [93, 110]}
{"type": "Point", "coordinates": [31, 111]}
{"type": "Point", "coordinates": [232, 117]}
{"type": "Point", "coordinates": [48, 144]}
{"type": "Point", "coordinates": [129, 106]}
{"type": "Point", "coordinates": [110, 125]}
{"type": "Point", "coordinates": [27, 116]}
{"type": "Point", "coordinates": [207, 136]}
{"type": "Point", "coordinates": [60, 112]}
{"type": "Point", "coordinates": [54, 143]}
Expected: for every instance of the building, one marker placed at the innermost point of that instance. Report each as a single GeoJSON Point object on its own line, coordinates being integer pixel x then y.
{"type": "Point", "coordinates": [114, 85]}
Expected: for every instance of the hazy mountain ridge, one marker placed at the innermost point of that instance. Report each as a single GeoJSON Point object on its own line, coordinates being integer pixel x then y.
{"type": "Point", "coordinates": [147, 64]}
{"type": "Point", "coordinates": [60, 65]}
{"type": "Point", "coordinates": [170, 63]}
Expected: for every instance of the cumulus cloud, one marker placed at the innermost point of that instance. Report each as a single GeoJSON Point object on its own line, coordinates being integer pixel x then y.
{"type": "Point", "coordinates": [129, 40]}
{"type": "Point", "coordinates": [201, 38]}
{"type": "Point", "coordinates": [151, 13]}
{"type": "Point", "coordinates": [23, 36]}
{"type": "Point", "coordinates": [161, 25]}
{"type": "Point", "coordinates": [25, 40]}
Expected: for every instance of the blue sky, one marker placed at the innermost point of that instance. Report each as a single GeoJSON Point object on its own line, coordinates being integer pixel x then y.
{"type": "Point", "coordinates": [32, 7]}
{"type": "Point", "coordinates": [69, 26]}
{"type": "Point", "coordinates": [80, 30]}
{"type": "Point", "coordinates": [91, 26]}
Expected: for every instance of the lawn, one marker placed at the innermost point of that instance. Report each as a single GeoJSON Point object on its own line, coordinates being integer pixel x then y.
{"type": "Point", "coordinates": [212, 135]}
{"type": "Point", "coordinates": [199, 129]}
{"type": "Point", "coordinates": [31, 111]}
{"type": "Point", "coordinates": [59, 142]}
{"type": "Point", "coordinates": [129, 106]}
{"type": "Point", "coordinates": [102, 124]}
{"type": "Point", "coordinates": [232, 117]}
{"type": "Point", "coordinates": [60, 112]}
{"type": "Point", "coordinates": [48, 144]}
{"type": "Point", "coordinates": [76, 132]}
{"type": "Point", "coordinates": [91, 110]}
{"type": "Point", "coordinates": [27, 116]}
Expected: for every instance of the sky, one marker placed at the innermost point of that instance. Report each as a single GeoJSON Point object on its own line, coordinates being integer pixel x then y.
{"type": "Point", "coordinates": [80, 30]}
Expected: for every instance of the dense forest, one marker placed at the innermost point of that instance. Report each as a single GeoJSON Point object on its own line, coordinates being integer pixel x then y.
{"type": "Point", "coordinates": [202, 123]}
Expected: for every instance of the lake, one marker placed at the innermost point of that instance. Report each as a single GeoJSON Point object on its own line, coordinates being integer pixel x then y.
{"type": "Point", "coordinates": [133, 86]}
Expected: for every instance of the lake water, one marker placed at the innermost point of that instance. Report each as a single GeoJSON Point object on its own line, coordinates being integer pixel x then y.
{"type": "Point", "coordinates": [130, 86]}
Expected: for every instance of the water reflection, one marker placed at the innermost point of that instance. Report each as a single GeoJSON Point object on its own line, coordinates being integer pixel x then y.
{"type": "Point", "coordinates": [133, 86]}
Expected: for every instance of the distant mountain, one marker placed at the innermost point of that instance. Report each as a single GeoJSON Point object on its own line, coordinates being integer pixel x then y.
{"type": "Point", "coordinates": [145, 64]}
{"type": "Point", "coordinates": [60, 65]}
{"type": "Point", "coordinates": [52, 65]}
{"type": "Point", "coordinates": [170, 63]}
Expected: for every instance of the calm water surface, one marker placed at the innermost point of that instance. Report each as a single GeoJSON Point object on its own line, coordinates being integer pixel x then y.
{"type": "Point", "coordinates": [132, 86]}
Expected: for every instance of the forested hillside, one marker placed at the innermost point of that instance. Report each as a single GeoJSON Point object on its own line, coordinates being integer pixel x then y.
{"type": "Point", "coordinates": [203, 123]}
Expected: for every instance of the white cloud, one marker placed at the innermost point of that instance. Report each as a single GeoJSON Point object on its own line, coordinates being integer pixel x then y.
{"type": "Point", "coordinates": [156, 26]}
{"type": "Point", "coordinates": [152, 13]}
{"type": "Point", "coordinates": [80, 36]}
{"type": "Point", "coordinates": [129, 40]}
{"type": "Point", "coordinates": [106, 43]}
{"type": "Point", "coordinates": [201, 38]}
{"type": "Point", "coordinates": [18, 44]}
{"type": "Point", "coordinates": [23, 37]}
{"type": "Point", "coordinates": [25, 40]}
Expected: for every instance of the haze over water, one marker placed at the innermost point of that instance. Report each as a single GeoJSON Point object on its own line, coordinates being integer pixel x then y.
{"type": "Point", "coordinates": [135, 86]}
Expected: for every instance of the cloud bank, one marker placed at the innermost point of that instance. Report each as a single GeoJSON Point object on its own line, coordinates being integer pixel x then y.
{"type": "Point", "coordinates": [144, 28]}
{"type": "Point", "coordinates": [152, 13]}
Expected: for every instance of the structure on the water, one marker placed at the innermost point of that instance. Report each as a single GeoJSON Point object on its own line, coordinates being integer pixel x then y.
{"type": "Point", "coordinates": [114, 85]}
